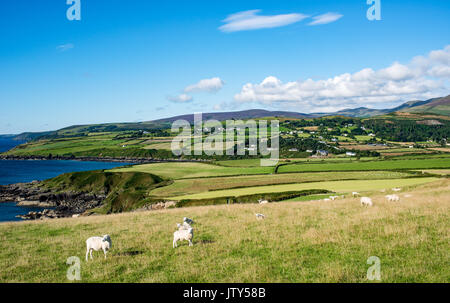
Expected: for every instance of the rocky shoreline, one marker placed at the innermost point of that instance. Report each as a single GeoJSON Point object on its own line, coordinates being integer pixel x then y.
{"type": "Point", "coordinates": [57, 205]}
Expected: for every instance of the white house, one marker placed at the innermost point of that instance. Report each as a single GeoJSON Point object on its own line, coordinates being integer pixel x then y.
{"type": "Point", "coordinates": [322, 152]}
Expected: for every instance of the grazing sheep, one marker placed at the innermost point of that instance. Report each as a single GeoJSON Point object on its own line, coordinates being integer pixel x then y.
{"type": "Point", "coordinates": [261, 201]}
{"type": "Point", "coordinates": [260, 216]}
{"type": "Point", "coordinates": [355, 194]}
{"type": "Point", "coordinates": [334, 197]}
{"type": "Point", "coordinates": [184, 226]}
{"type": "Point", "coordinates": [393, 198]}
{"type": "Point", "coordinates": [184, 234]}
{"type": "Point", "coordinates": [366, 201]}
{"type": "Point", "coordinates": [97, 243]}
{"type": "Point", "coordinates": [396, 189]}
{"type": "Point", "coordinates": [327, 199]}
{"type": "Point", "coordinates": [188, 221]}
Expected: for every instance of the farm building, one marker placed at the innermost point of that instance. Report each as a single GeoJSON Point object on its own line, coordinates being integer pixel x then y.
{"type": "Point", "coordinates": [322, 152]}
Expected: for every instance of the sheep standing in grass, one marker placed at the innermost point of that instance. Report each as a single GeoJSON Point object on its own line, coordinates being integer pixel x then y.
{"type": "Point", "coordinates": [98, 243]}
{"type": "Point", "coordinates": [188, 221]}
{"type": "Point", "coordinates": [366, 201]}
{"type": "Point", "coordinates": [396, 189]}
{"type": "Point", "coordinates": [355, 194]}
{"type": "Point", "coordinates": [184, 226]}
{"type": "Point", "coordinates": [261, 201]}
{"type": "Point", "coordinates": [334, 197]}
{"type": "Point", "coordinates": [183, 234]}
{"type": "Point", "coordinates": [393, 198]}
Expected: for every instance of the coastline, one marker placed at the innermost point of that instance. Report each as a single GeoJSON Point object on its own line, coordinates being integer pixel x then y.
{"type": "Point", "coordinates": [99, 159]}
{"type": "Point", "coordinates": [56, 205]}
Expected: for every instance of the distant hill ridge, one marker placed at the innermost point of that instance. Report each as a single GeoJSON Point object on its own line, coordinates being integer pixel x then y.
{"type": "Point", "coordinates": [245, 114]}
{"type": "Point", "coordinates": [439, 106]}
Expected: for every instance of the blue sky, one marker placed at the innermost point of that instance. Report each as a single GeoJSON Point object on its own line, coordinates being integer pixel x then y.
{"type": "Point", "coordinates": [128, 61]}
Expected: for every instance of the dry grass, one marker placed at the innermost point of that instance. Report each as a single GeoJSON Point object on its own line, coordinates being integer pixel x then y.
{"type": "Point", "coordinates": [297, 242]}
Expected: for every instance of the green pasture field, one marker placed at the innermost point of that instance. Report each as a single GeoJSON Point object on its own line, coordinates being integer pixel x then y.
{"type": "Point", "coordinates": [193, 186]}
{"type": "Point", "coordinates": [180, 170]}
{"type": "Point", "coordinates": [68, 146]}
{"type": "Point", "coordinates": [369, 165]}
{"type": "Point", "coordinates": [335, 186]}
{"type": "Point", "coordinates": [297, 242]}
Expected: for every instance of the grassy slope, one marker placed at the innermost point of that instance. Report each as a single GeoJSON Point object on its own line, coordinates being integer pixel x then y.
{"type": "Point", "coordinates": [298, 242]}
{"type": "Point", "coordinates": [193, 170]}
{"type": "Point", "coordinates": [123, 191]}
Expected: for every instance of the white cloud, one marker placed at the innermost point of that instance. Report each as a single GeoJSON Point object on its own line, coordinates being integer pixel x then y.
{"type": "Point", "coordinates": [423, 77]}
{"type": "Point", "coordinates": [206, 85]}
{"type": "Point", "coordinates": [65, 47]}
{"type": "Point", "coordinates": [326, 18]}
{"type": "Point", "coordinates": [183, 98]}
{"type": "Point", "coordinates": [249, 20]}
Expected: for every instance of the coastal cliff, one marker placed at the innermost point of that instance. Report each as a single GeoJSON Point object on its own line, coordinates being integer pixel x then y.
{"type": "Point", "coordinates": [84, 193]}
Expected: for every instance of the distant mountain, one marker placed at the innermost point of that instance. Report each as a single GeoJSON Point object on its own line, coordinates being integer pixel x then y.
{"type": "Point", "coordinates": [30, 136]}
{"type": "Point", "coordinates": [360, 112]}
{"type": "Point", "coordinates": [238, 115]}
{"type": "Point", "coordinates": [439, 106]}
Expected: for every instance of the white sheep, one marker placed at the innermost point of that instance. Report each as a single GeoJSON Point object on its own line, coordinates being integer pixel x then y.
{"type": "Point", "coordinates": [260, 216]}
{"type": "Point", "coordinates": [188, 221]}
{"type": "Point", "coordinates": [355, 194]}
{"type": "Point", "coordinates": [184, 226]}
{"type": "Point", "coordinates": [97, 243]}
{"type": "Point", "coordinates": [396, 189]}
{"type": "Point", "coordinates": [393, 198]}
{"type": "Point", "coordinates": [408, 196]}
{"type": "Point", "coordinates": [334, 197]}
{"type": "Point", "coordinates": [366, 201]}
{"type": "Point", "coordinates": [261, 201]}
{"type": "Point", "coordinates": [184, 234]}
{"type": "Point", "coordinates": [327, 199]}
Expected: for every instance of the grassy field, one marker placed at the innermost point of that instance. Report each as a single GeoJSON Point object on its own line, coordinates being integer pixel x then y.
{"type": "Point", "coordinates": [192, 186]}
{"type": "Point", "coordinates": [68, 146]}
{"type": "Point", "coordinates": [193, 170]}
{"type": "Point", "coordinates": [298, 242]}
{"type": "Point", "coordinates": [335, 186]}
{"type": "Point", "coordinates": [437, 171]}
{"type": "Point", "coordinates": [369, 165]}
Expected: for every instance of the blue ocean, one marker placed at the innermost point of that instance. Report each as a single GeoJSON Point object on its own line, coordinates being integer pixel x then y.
{"type": "Point", "coordinates": [17, 171]}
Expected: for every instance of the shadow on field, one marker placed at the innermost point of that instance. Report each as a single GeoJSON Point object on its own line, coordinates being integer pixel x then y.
{"type": "Point", "coordinates": [129, 253]}
{"type": "Point", "coordinates": [206, 241]}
